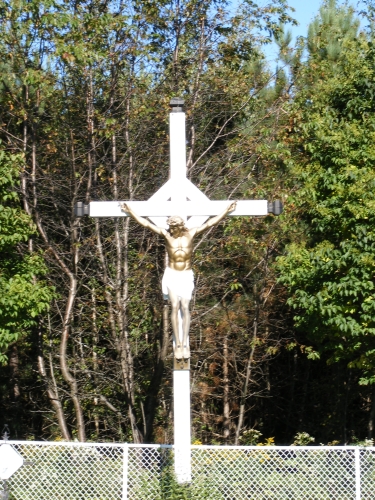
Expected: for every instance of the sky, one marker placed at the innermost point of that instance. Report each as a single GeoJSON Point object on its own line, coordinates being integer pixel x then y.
{"type": "Point", "coordinates": [305, 11]}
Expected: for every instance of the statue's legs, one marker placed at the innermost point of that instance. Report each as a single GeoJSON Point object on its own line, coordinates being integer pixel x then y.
{"type": "Point", "coordinates": [181, 345]}
{"type": "Point", "coordinates": [185, 312]}
{"type": "Point", "coordinates": [175, 303]}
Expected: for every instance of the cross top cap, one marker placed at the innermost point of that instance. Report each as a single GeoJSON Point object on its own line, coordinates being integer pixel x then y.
{"type": "Point", "coordinates": [176, 103]}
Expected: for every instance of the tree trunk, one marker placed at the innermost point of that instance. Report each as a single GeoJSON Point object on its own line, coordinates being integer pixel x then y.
{"type": "Point", "coordinates": [14, 374]}
{"type": "Point", "coordinates": [153, 393]}
{"type": "Point", "coordinates": [248, 374]}
{"type": "Point", "coordinates": [68, 377]}
{"type": "Point", "coordinates": [372, 416]}
{"type": "Point", "coordinates": [293, 380]}
{"type": "Point", "coordinates": [51, 390]}
{"type": "Point", "coordinates": [226, 412]}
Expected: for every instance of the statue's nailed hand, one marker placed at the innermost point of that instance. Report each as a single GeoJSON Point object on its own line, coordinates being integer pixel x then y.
{"type": "Point", "coordinates": [232, 206]}
{"type": "Point", "coordinates": [125, 207]}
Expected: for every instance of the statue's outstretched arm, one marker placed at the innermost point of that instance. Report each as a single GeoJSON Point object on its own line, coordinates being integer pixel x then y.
{"type": "Point", "coordinates": [141, 220]}
{"type": "Point", "coordinates": [215, 220]}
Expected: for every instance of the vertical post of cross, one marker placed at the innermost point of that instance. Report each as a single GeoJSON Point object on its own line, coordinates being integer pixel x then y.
{"type": "Point", "coordinates": [177, 140]}
{"type": "Point", "coordinates": [181, 371]}
{"type": "Point", "coordinates": [177, 160]}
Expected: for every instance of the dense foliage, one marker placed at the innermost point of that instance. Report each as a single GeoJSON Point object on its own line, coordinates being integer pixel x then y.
{"type": "Point", "coordinates": [23, 295]}
{"type": "Point", "coordinates": [330, 270]}
{"type": "Point", "coordinates": [84, 98]}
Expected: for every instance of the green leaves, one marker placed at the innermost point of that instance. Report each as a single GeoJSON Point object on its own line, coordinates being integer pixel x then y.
{"type": "Point", "coordinates": [23, 296]}
{"type": "Point", "coordinates": [330, 271]}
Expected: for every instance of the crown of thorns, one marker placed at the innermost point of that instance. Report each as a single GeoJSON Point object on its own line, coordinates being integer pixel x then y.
{"type": "Point", "coordinates": [175, 220]}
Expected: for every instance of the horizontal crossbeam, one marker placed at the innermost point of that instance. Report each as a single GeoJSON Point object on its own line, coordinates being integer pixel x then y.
{"type": "Point", "coordinates": [168, 208]}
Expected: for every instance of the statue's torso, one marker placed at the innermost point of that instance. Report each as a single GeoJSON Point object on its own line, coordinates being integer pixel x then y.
{"type": "Point", "coordinates": [180, 251]}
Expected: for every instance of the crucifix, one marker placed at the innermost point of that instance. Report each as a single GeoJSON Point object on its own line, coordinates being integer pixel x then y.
{"type": "Point", "coordinates": [178, 211]}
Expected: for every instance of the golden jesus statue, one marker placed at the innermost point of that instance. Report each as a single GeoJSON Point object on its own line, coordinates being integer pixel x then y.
{"type": "Point", "coordinates": [178, 279]}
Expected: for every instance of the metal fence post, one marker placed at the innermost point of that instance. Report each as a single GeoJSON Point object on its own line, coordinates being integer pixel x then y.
{"type": "Point", "coordinates": [125, 469]}
{"type": "Point", "coordinates": [357, 454]}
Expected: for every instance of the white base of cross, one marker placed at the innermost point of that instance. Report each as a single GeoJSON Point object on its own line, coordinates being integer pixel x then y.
{"type": "Point", "coordinates": [182, 425]}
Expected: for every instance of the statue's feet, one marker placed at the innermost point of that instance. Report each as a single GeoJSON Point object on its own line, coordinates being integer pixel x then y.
{"type": "Point", "coordinates": [186, 352]}
{"type": "Point", "coordinates": [178, 352]}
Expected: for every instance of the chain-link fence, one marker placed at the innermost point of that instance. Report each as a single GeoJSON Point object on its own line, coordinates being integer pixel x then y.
{"type": "Point", "coordinates": [88, 471]}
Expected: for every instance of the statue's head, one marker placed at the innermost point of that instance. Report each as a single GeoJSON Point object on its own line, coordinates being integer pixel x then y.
{"type": "Point", "coordinates": [176, 222]}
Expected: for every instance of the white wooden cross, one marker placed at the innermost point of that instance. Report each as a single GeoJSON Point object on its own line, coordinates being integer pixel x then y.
{"type": "Point", "coordinates": [179, 196]}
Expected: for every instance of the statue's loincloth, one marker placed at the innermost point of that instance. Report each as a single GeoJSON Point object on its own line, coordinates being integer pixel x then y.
{"type": "Point", "coordinates": [179, 282]}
